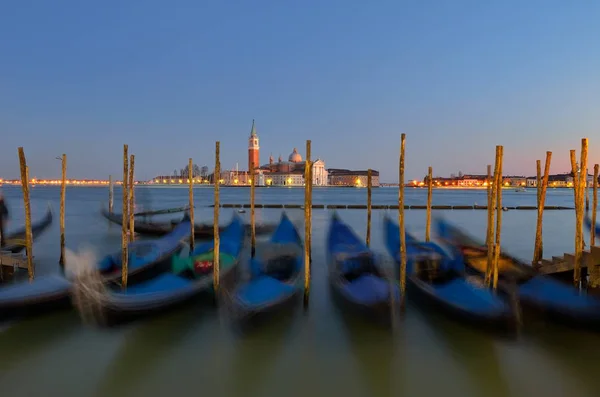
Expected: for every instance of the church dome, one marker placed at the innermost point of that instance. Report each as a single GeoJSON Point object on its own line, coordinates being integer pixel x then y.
{"type": "Point", "coordinates": [295, 157]}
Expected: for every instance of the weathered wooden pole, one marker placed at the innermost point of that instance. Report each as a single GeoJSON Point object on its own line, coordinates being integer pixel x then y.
{"type": "Point", "coordinates": [131, 187]}
{"type": "Point", "coordinates": [401, 222]}
{"type": "Point", "coordinates": [579, 222]}
{"type": "Point", "coordinates": [125, 220]}
{"type": "Point", "coordinates": [216, 241]}
{"type": "Point", "coordinates": [191, 200]}
{"type": "Point", "coordinates": [111, 193]}
{"type": "Point", "coordinates": [594, 206]}
{"type": "Point", "coordinates": [252, 210]}
{"type": "Point", "coordinates": [538, 180]}
{"type": "Point", "coordinates": [307, 224]}
{"type": "Point", "coordinates": [63, 192]}
{"type": "Point", "coordinates": [369, 205]}
{"type": "Point", "coordinates": [498, 221]}
{"type": "Point", "coordinates": [429, 200]}
{"type": "Point", "coordinates": [538, 250]}
{"type": "Point", "coordinates": [587, 191]}
{"type": "Point", "coordinates": [27, 205]}
{"type": "Point", "coordinates": [490, 208]}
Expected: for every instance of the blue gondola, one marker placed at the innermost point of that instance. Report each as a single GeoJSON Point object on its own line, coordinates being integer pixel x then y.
{"type": "Point", "coordinates": [190, 277]}
{"type": "Point", "coordinates": [14, 240]}
{"type": "Point", "coordinates": [275, 276]}
{"type": "Point", "coordinates": [147, 258]}
{"type": "Point", "coordinates": [355, 276]}
{"type": "Point", "coordinates": [437, 279]}
{"type": "Point", "coordinates": [588, 224]}
{"type": "Point", "coordinates": [559, 301]}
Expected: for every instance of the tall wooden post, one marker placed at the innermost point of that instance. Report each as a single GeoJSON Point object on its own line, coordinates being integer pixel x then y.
{"type": "Point", "coordinates": [490, 209]}
{"type": "Point", "coordinates": [125, 220]}
{"type": "Point", "coordinates": [429, 200]}
{"type": "Point", "coordinates": [191, 200]}
{"type": "Point", "coordinates": [594, 207]}
{"type": "Point", "coordinates": [369, 205]}
{"type": "Point", "coordinates": [401, 222]}
{"type": "Point", "coordinates": [27, 205]}
{"type": "Point", "coordinates": [63, 192]}
{"type": "Point", "coordinates": [579, 208]}
{"type": "Point", "coordinates": [252, 211]}
{"type": "Point", "coordinates": [111, 193]}
{"type": "Point", "coordinates": [131, 187]}
{"type": "Point", "coordinates": [538, 250]}
{"type": "Point", "coordinates": [498, 221]}
{"type": "Point", "coordinates": [307, 224]}
{"type": "Point", "coordinates": [216, 241]}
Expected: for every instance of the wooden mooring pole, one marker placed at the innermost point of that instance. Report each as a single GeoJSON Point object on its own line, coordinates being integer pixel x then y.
{"type": "Point", "coordinates": [63, 192]}
{"type": "Point", "coordinates": [579, 223]}
{"type": "Point", "coordinates": [369, 205]}
{"type": "Point", "coordinates": [429, 200]}
{"type": "Point", "coordinates": [216, 241]}
{"type": "Point", "coordinates": [125, 219]}
{"type": "Point", "coordinates": [191, 203]}
{"type": "Point", "coordinates": [498, 221]}
{"type": "Point", "coordinates": [27, 205]}
{"type": "Point", "coordinates": [490, 227]}
{"type": "Point", "coordinates": [252, 211]}
{"type": "Point", "coordinates": [594, 207]}
{"type": "Point", "coordinates": [131, 192]}
{"type": "Point", "coordinates": [111, 193]}
{"type": "Point", "coordinates": [307, 223]}
{"type": "Point", "coordinates": [401, 223]}
{"type": "Point", "coordinates": [538, 249]}
{"type": "Point", "coordinates": [490, 211]}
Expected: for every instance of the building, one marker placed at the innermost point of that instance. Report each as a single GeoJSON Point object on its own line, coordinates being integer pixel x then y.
{"type": "Point", "coordinates": [344, 177]}
{"type": "Point", "coordinates": [515, 181]}
{"type": "Point", "coordinates": [253, 149]}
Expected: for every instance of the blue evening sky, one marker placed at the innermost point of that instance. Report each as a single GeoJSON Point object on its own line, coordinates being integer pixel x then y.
{"type": "Point", "coordinates": [170, 78]}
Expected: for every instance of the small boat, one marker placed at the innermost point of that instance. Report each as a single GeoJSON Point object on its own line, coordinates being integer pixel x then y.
{"type": "Point", "coordinates": [437, 280]}
{"type": "Point", "coordinates": [15, 241]}
{"type": "Point", "coordinates": [356, 279]}
{"type": "Point", "coordinates": [556, 300]}
{"type": "Point", "coordinates": [163, 211]}
{"type": "Point", "coordinates": [147, 258]}
{"type": "Point", "coordinates": [201, 232]}
{"type": "Point", "coordinates": [189, 277]}
{"type": "Point", "coordinates": [275, 276]}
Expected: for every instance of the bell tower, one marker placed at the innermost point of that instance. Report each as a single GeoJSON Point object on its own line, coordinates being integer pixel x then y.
{"type": "Point", "coordinates": [253, 149]}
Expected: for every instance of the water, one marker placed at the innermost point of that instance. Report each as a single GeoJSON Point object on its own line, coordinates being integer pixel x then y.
{"type": "Point", "coordinates": [194, 350]}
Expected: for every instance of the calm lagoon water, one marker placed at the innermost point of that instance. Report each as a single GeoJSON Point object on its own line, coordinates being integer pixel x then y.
{"type": "Point", "coordinates": [195, 350]}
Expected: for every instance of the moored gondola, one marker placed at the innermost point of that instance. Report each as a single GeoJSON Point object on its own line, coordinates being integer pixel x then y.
{"type": "Point", "coordinates": [437, 280]}
{"type": "Point", "coordinates": [276, 277]}
{"type": "Point", "coordinates": [538, 293]}
{"type": "Point", "coordinates": [189, 277]}
{"type": "Point", "coordinates": [15, 241]}
{"type": "Point", "coordinates": [147, 258]}
{"type": "Point", "coordinates": [201, 231]}
{"type": "Point", "coordinates": [356, 278]}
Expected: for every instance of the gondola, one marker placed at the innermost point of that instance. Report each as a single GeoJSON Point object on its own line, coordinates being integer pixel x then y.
{"type": "Point", "coordinates": [588, 224]}
{"type": "Point", "coordinates": [147, 258]}
{"type": "Point", "coordinates": [558, 301]}
{"type": "Point", "coordinates": [201, 232]}
{"type": "Point", "coordinates": [275, 277]}
{"type": "Point", "coordinates": [437, 280]}
{"type": "Point", "coordinates": [189, 277]}
{"type": "Point", "coordinates": [163, 211]}
{"type": "Point", "coordinates": [356, 279]}
{"type": "Point", "coordinates": [15, 241]}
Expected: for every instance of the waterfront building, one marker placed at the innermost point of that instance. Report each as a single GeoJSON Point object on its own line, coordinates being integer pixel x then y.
{"type": "Point", "coordinates": [344, 177]}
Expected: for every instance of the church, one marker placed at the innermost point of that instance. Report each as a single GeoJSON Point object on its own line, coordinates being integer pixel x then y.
{"type": "Point", "coordinates": [282, 173]}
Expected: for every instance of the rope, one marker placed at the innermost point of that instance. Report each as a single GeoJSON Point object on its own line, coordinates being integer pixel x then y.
{"type": "Point", "coordinates": [89, 295]}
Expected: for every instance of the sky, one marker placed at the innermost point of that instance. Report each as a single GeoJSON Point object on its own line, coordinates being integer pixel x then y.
{"type": "Point", "coordinates": [170, 78]}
